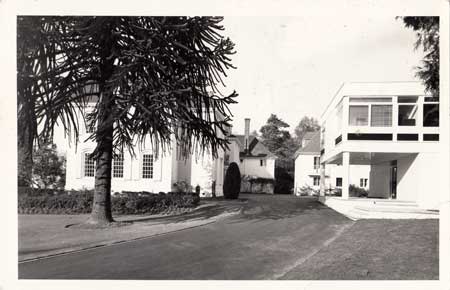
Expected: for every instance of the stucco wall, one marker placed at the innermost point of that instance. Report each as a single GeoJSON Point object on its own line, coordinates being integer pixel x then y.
{"type": "Point", "coordinates": [428, 189]}
{"type": "Point", "coordinates": [408, 174]}
{"type": "Point", "coordinates": [252, 167]}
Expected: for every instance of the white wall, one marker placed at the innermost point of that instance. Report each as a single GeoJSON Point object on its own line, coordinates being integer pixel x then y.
{"type": "Point", "coordinates": [304, 168]}
{"type": "Point", "coordinates": [356, 173]}
{"type": "Point", "coordinates": [252, 167]}
{"type": "Point", "coordinates": [408, 171]}
{"type": "Point", "coordinates": [131, 181]}
{"type": "Point", "coordinates": [428, 186]}
{"type": "Point", "coordinates": [205, 169]}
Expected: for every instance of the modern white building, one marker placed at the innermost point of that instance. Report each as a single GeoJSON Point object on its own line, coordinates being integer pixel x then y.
{"type": "Point", "coordinates": [147, 171]}
{"type": "Point", "coordinates": [307, 169]}
{"type": "Point", "coordinates": [394, 128]}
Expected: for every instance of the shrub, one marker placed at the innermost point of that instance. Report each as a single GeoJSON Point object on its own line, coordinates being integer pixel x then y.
{"type": "Point", "coordinates": [308, 190]}
{"type": "Point", "coordinates": [284, 181]}
{"type": "Point", "coordinates": [79, 202]}
{"type": "Point", "coordinates": [232, 182]}
{"type": "Point", "coordinates": [355, 191]}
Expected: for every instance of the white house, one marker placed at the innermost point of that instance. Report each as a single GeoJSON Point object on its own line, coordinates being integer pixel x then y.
{"type": "Point", "coordinates": [307, 169]}
{"type": "Point", "coordinates": [146, 171]}
{"type": "Point", "coordinates": [394, 128]}
{"type": "Point", "coordinates": [253, 158]}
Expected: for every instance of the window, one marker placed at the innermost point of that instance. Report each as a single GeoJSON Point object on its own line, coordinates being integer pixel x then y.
{"type": "Point", "coordinates": [147, 166]}
{"type": "Point", "coordinates": [118, 166]}
{"type": "Point", "coordinates": [316, 162]}
{"type": "Point", "coordinates": [89, 165]}
{"type": "Point", "coordinates": [358, 115]}
{"type": "Point", "coordinates": [363, 182]}
{"type": "Point", "coordinates": [316, 180]}
{"type": "Point", "coordinates": [430, 115]}
{"type": "Point", "coordinates": [381, 116]}
{"type": "Point", "coordinates": [339, 181]}
{"type": "Point", "coordinates": [262, 162]}
{"type": "Point", "coordinates": [90, 125]}
{"type": "Point", "coordinates": [407, 115]}
{"type": "Point", "coordinates": [226, 161]}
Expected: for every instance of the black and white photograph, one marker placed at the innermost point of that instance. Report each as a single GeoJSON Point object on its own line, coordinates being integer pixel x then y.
{"type": "Point", "coordinates": [300, 142]}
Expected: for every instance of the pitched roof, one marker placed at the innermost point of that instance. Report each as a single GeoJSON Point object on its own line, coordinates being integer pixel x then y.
{"type": "Point", "coordinates": [309, 135]}
{"type": "Point", "coordinates": [256, 147]}
{"type": "Point", "coordinates": [312, 147]}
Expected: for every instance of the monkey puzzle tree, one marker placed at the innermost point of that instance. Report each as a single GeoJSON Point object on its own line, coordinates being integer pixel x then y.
{"type": "Point", "coordinates": [153, 77]}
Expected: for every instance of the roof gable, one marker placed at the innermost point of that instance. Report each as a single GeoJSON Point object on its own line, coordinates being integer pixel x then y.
{"type": "Point", "coordinates": [256, 147]}
{"type": "Point", "coordinates": [313, 146]}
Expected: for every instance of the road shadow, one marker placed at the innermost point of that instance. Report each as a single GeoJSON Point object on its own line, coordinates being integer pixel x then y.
{"type": "Point", "coordinates": [275, 207]}
{"type": "Point", "coordinates": [210, 209]}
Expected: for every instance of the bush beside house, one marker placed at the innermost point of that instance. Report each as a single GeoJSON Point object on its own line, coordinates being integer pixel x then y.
{"type": "Point", "coordinates": [232, 182]}
{"type": "Point", "coordinates": [354, 191]}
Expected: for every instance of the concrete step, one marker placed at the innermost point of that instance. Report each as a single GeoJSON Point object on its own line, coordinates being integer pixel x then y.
{"type": "Point", "coordinates": [395, 209]}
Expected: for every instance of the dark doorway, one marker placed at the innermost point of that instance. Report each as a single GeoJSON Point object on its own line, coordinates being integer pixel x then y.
{"type": "Point", "coordinates": [393, 180]}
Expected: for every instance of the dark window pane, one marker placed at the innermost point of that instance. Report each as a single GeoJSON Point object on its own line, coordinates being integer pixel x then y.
{"type": "Point", "coordinates": [431, 115]}
{"type": "Point", "coordinates": [407, 115]}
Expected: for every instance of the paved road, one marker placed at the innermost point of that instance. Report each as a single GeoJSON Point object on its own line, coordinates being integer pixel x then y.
{"type": "Point", "coordinates": [272, 236]}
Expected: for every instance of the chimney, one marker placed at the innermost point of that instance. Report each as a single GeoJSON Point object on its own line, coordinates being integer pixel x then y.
{"type": "Point", "coordinates": [247, 134]}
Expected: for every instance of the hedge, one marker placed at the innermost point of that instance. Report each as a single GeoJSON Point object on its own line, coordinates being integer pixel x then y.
{"type": "Point", "coordinates": [80, 202]}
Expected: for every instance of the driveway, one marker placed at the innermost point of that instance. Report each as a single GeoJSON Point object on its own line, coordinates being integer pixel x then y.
{"type": "Point", "coordinates": [274, 237]}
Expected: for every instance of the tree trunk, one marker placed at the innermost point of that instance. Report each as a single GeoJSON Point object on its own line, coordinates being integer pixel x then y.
{"type": "Point", "coordinates": [101, 208]}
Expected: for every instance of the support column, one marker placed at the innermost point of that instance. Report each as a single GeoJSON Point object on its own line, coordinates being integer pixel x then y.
{"type": "Point", "coordinates": [322, 180]}
{"type": "Point", "coordinates": [345, 174]}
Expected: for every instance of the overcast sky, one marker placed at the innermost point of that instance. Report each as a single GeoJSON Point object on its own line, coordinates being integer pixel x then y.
{"type": "Point", "coordinates": [292, 66]}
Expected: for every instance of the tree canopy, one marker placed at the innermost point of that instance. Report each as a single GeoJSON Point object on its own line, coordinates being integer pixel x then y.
{"type": "Point", "coordinates": [427, 33]}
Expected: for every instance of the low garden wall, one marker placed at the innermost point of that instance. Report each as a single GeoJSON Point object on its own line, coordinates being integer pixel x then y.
{"type": "Point", "coordinates": [251, 184]}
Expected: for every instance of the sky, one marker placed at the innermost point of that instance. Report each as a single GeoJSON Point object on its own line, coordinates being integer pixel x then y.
{"type": "Point", "coordinates": [292, 66]}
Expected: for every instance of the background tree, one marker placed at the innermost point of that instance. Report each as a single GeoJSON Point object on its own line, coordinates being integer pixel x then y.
{"type": "Point", "coordinates": [279, 141]}
{"type": "Point", "coordinates": [150, 77]}
{"type": "Point", "coordinates": [306, 124]}
{"type": "Point", "coordinates": [274, 135]}
{"type": "Point", "coordinates": [427, 32]}
{"type": "Point", "coordinates": [36, 56]}
{"type": "Point", "coordinates": [48, 167]}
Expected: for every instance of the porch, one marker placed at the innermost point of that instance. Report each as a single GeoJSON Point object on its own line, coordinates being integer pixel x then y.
{"type": "Point", "coordinates": [377, 208]}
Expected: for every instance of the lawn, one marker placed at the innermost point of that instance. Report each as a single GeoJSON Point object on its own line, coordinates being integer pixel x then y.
{"type": "Point", "coordinates": [377, 250]}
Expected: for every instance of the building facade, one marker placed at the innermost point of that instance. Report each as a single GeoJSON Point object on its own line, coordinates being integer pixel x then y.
{"type": "Point", "coordinates": [307, 170]}
{"type": "Point", "coordinates": [393, 127]}
{"type": "Point", "coordinates": [146, 171]}
{"type": "Point", "coordinates": [256, 163]}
